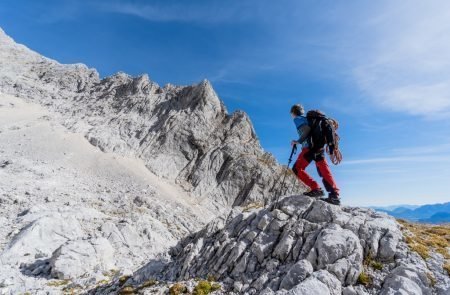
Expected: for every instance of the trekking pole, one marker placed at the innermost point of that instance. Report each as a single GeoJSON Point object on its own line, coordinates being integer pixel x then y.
{"type": "Point", "coordinates": [294, 150]}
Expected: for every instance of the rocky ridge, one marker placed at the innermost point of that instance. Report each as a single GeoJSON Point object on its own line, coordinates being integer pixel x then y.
{"type": "Point", "coordinates": [301, 246]}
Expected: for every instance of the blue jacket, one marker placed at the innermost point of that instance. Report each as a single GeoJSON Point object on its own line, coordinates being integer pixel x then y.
{"type": "Point", "coordinates": [301, 122]}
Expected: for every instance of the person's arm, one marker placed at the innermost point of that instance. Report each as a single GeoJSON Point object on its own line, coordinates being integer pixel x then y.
{"type": "Point", "coordinates": [303, 131]}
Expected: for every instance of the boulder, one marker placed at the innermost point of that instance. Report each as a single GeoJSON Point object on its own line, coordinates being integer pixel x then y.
{"type": "Point", "coordinates": [77, 258]}
{"type": "Point", "coordinates": [296, 274]}
{"type": "Point", "coordinates": [309, 286]}
{"type": "Point", "coordinates": [339, 251]}
{"type": "Point", "coordinates": [41, 237]}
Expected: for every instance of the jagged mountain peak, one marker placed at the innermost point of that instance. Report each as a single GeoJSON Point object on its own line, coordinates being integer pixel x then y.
{"type": "Point", "coordinates": [183, 133]}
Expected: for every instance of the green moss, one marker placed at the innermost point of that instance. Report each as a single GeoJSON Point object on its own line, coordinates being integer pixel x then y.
{"type": "Point", "coordinates": [215, 287]}
{"type": "Point", "coordinates": [177, 289]}
{"type": "Point", "coordinates": [202, 288]}
{"type": "Point", "coordinates": [370, 262]}
{"type": "Point", "coordinates": [127, 290]}
{"type": "Point", "coordinates": [123, 279]}
{"type": "Point", "coordinates": [148, 283]}
{"type": "Point", "coordinates": [71, 291]}
{"type": "Point", "coordinates": [364, 279]}
{"type": "Point", "coordinates": [58, 283]}
{"type": "Point", "coordinates": [103, 282]}
{"type": "Point", "coordinates": [376, 265]}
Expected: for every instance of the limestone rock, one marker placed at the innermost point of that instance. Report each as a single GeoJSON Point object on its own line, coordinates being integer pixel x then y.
{"type": "Point", "coordinates": [41, 237]}
{"type": "Point", "coordinates": [406, 279]}
{"type": "Point", "coordinates": [312, 250]}
{"type": "Point", "coordinates": [339, 251]}
{"type": "Point", "coordinates": [309, 286]}
{"type": "Point", "coordinates": [296, 274]}
{"type": "Point", "coordinates": [77, 258]}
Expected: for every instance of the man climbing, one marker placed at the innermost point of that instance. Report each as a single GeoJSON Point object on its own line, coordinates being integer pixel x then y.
{"type": "Point", "coordinates": [309, 154]}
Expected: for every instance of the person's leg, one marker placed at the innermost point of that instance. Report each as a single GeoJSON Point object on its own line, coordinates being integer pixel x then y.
{"type": "Point", "coordinates": [328, 180]}
{"type": "Point", "coordinates": [303, 160]}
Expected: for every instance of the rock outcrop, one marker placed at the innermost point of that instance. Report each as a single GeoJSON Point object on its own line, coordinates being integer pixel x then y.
{"type": "Point", "coordinates": [300, 246]}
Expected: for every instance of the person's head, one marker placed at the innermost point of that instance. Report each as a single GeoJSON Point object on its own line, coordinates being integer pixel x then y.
{"type": "Point", "coordinates": [297, 110]}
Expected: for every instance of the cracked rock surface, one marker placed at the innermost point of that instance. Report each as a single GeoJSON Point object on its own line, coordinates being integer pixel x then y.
{"type": "Point", "coordinates": [292, 248]}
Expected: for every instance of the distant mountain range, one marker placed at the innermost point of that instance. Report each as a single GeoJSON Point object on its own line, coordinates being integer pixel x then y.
{"type": "Point", "coordinates": [435, 213]}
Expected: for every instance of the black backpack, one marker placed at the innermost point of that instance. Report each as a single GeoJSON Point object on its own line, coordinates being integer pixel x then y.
{"type": "Point", "coordinates": [323, 133]}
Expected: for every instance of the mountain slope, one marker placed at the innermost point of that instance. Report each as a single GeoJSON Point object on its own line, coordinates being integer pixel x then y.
{"type": "Point", "coordinates": [57, 191]}
{"type": "Point", "coordinates": [181, 133]}
{"type": "Point", "coordinates": [142, 167]}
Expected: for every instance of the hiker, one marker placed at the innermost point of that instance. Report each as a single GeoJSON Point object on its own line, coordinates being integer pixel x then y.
{"type": "Point", "coordinates": [309, 154]}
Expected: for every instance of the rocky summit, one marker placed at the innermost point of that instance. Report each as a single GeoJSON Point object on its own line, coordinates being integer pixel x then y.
{"type": "Point", "coordinates": [300, 246]}
{"type": "Point", "coordinates": [119, 186]}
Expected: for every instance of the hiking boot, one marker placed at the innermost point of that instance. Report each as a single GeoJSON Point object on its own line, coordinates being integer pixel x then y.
{"type": "Point", "coordinates": [332, 200]}
{"type": "Point", "coordinates": [316, 193]}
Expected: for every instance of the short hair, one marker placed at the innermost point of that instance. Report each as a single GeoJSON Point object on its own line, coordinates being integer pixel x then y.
{"type": "Point", "coordinates": [297, 110]}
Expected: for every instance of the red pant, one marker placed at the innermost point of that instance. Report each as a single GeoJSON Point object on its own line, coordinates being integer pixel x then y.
{"type": "Point", "coordinates": [304, 159]}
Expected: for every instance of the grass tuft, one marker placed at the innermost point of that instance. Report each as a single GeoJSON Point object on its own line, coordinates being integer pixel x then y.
{"type": "Point", "coordinates": [447, 268]}
{"type": "Point", "coordinates": [177, 289]}
{"type": "Point", "coordinates": [58, 283]}
{"type": "Point", "coordinates": [127, 290]}
{"type": "Point", "coordinates": [123, 279]}
{"type": "Point", "coordinates": [148, 283]}
{"type": "Point", "coordinates": [376, 265]}
{"type": "Point", "coordinates": [364, 279]}
{"type": "Point", "coordinates": [423, 238]}
{"type": "Point", "coordinates": [251, 206]}
{"type": "Point", "coordinates": [202, 288]}
{"type": "Point", "coordinates": [370, 262]}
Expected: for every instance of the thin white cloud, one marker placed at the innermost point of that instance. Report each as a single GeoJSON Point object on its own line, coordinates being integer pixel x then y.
{"type": "Point", "coordinates": [409, 159]}
{"type": "Point", "coordinates": [407, 66]}
{"type": "Point", "coordinates": [183, 11]}
{"type": "Point", "coordinates": [427, 150]}
{"type": "Point", "coordinates": [398, 52]}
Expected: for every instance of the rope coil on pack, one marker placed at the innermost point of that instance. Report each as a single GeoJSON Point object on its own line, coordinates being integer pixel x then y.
{"type": "Point", "coordinates": [335, 156]}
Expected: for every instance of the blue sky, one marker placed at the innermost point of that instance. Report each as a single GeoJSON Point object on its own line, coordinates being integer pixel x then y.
{"type": "Point", "coordinates": [382, 68]}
